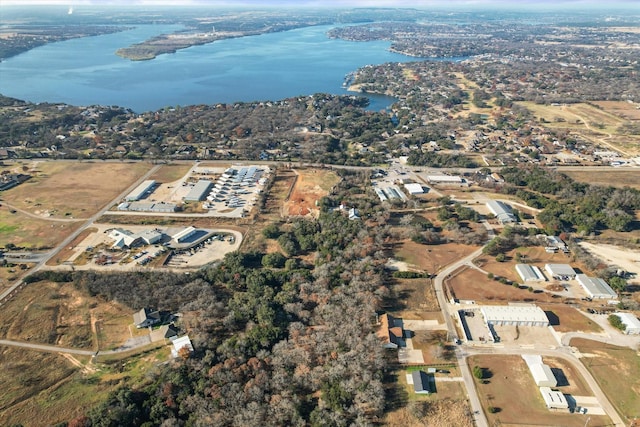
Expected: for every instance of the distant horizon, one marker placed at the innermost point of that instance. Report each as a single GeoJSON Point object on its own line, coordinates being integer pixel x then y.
{"type": "Point", "coordinates": [413, 4]}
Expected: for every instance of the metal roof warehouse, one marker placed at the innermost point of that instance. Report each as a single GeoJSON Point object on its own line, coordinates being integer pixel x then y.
{"type": "Point", "coordinates": [529, 273]}
{"type": "Point", "coordinates": [517, 315]}
{"type": "Point", "coordinates": [596, 287]}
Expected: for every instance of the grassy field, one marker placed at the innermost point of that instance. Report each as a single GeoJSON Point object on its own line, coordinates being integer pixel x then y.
{"type": "Point", "coordinates": [431, 258]}
{"type": "Point", "coordinates": [471, 284]}
{"type": "Point", "coordinates": [24, 231]}
{"type": "Point", "coordinates": [72, 189]}
{"type": "Point", "coordinates": [617, 178]}
{"type": "Point", "coordinates": [170, 173]}
{"type": "Point", "coordinates": [512, 390]}
{"type": "Point", "coordinates": [569, 319]}
{"type": "Point", "coordinates": [617, 371]}
{"type": "Point", "coordinates": [59, 314]}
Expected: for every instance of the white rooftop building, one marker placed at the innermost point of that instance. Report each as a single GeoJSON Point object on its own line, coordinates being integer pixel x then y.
{"type": "Point", "coordinates": [179, 344]}
{"type": "Point", "coordinates": [560, 271]}
{"type": "Point", "coordinates": [554, 399]}
{"type": "Point", "coordinates": [631, 323]}
{"type": "Point", "coordinates": [414, 188]}
{"type": "Point", "coordinates": [444, 179]}
{"type": "Point", "coordinates": [501, 211]}
{"type": "Point", "coordinates": [140, 191]}
{"type": "Point", "coordinates": [530, 273]}
{"type": "Point", "coordinates": [595, 287]}
{"type": "Point", "coordinates": [515, 315]}
{"type": "Point", "coordinates": [542, 374]}
{"type": "Point", "coordinates": [183, 235]}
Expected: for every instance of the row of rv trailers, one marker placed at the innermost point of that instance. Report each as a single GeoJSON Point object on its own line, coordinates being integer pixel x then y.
{"type": "Point", "coordinates": [233, 182]}
{"type": "Point", "coordinates": [595, 287]}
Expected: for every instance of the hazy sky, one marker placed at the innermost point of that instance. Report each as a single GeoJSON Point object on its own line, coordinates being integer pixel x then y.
{"type": "Point", "coordinates": [329, 3]}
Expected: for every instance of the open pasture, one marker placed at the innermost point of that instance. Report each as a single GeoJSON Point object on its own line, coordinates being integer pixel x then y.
{"type": "Point", "coordinates": [61, 189]}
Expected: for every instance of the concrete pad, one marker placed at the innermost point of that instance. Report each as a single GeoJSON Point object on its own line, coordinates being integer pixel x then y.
{"type": "Point", "coordinates": [409, 379]}
{"type": "Point", "coordinates": [407, 356]}
{"type": "Point", "coordinates": [420, 325]}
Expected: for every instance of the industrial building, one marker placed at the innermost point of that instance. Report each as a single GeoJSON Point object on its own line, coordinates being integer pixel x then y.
{"type": "Point", "coordinates": [414, 188]}
{"type": "Point", "coordinates": [554, 399]}
{"type": "Point", "coordinates": [141, 191]}
{"type": "Point", "coordinates": [501, 211]}
{"type": "Point", "coordinates": [444, 179]}
{"type": "Point", "coordinates": [123, 238]}
{"type": "Point", "coordinates": [199, 191]}
{"type": "Point", "coordinates": [542, 374]}
{"type": "Point", "coordinates": [160, 207]}
{"type": "Point", "coordinates": [560, 271]}
{"type": "Point", "coordinates": [595, 287]}
{"type": "Point", "coordinates": [530, 273]}
{"type": "Point", "coordinates": [150, 237]}
{"type": "Point", "coordinates": [514, 315]}
{"type": "Point", "coordinates": [184, 235]}
{"type": "Point", "coordinates": [631, 323]}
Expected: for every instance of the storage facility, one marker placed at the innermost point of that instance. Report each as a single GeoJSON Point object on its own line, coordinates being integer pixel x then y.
{"type": "Point", "coordinates": [542, 374]}
{"type": "Point", "coordinates": [554, 399]}
{"type": "Point", "coordinates": [444, 179]}
{"type": "Point", "coordinates": [595, 287]}
{"type": "Point", "coordinates": [514, 315]}
{"type": "Point", "coordinates": [184, 234]}
{"type": "Point", "coordinates": [502, 211]}
{"type": "Point", "coordinates": [631, 323]}
{"type": "Point", "coordinates": [414, 188]}
{"type": "Point", "coordinates": [530, 273]}
{"type": "Point", "coordinates": [141, 191]}
{"type": "Point", "coordinates": [560, 271]}
{"type": "Point", "coordinates": [199, 191]}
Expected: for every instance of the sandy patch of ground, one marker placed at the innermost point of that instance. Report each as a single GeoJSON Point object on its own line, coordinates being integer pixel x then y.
{"type": "Point", "coordinates": [626, 259]}
{"type": "Point", "coordinates": [310, 186]}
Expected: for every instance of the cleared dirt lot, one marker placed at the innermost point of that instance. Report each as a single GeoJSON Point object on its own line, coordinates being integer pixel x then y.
{"type": "Point", "coordinates": [310, 186]}
{"type": "Point", "coordinates": [624, 258]}
{"type": "Point", "coordinates": [512, 390]}
{"type": "Point", "coordinates": [471, 284]}
{"type": "Point", "coordinates": [567, 319]}
{"type": "Point", "coordinates": [431, 258]}
{"type": "Point", "coordinates": [607, 178]}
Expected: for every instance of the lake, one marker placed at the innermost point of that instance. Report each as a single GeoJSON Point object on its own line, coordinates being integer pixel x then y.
{"type": "Point", "coordinates": [274, 66]}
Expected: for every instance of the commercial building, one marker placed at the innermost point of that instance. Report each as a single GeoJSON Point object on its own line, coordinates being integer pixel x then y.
{"type": "Point", "coordinates": [160, 207]}
{"type": "Point", "coordinates": [529, 273]}
{"type": "Point", "coordinates": [542, 374]}
{"type": "Point", "coordinates": [199, 191]}
{"type": "Point", "coordinates": [554, 399]}
{"type": "Point", "coordinates": [414, 188]}
{"type": "Point", "coordinates": [514, 315]}
{"type": "Point", "coordinates": [501, 211]}
{"type": "Point", "coordinates": [141, 191]}
{"type": "Point", "coordinates": [560, 271]}
{"type": "Point", "coordinates": [445, 179]}
{"type": "Point", "coordinates": [595, 287]}
{"type": "Point", "coordinates": [184, 235]}
{"type": "Point", "coordinates": [631, 323]}
{"type": "Point", "coordinates": [123, 238]}
{"type": "Point", "coordinates": [150, 237]}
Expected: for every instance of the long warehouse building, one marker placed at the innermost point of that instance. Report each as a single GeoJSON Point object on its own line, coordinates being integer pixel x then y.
{"type": "Point", "coordinates": [596, 287]}
{"type": "Point", "coordinates": [199, 191]}
{"type": "Point", "coordinates": [141, 191]}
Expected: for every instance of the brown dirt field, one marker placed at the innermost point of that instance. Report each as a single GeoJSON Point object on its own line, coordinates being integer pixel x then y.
{"type": "Point", "coordinates": [511, 389]}
{"type": "Point", "coordinates": [59, 314]}
{"type": "Point", "coordinates": [414, 297]}
{"type": "Point", "coordinates": [170, 173]}
{"type": "Point", "coordinates": [570, 319]}
{"type": "Point", "coordinates": [283, 181]}
{"type": "Point", "coordinates": [620, 108]}
{"type": "Point", "coordinates": [471, 284]}
{"type": "Point", "coordinates": [619, 178]}
{"type": "Point", "coordinates": [431, 258]}
{"type": "Point", "coordinates": [311, 185]}
{"type": "Point", "coordinates": [574, 384]}
{"type": "Point", "coordinates": [617, 371]}
{"type": "Point", "coordinates": [73, 189]}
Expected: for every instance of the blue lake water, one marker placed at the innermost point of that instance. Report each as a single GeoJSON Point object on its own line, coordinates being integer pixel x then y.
{"type": "Point", "coordinates": [274, 66]}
